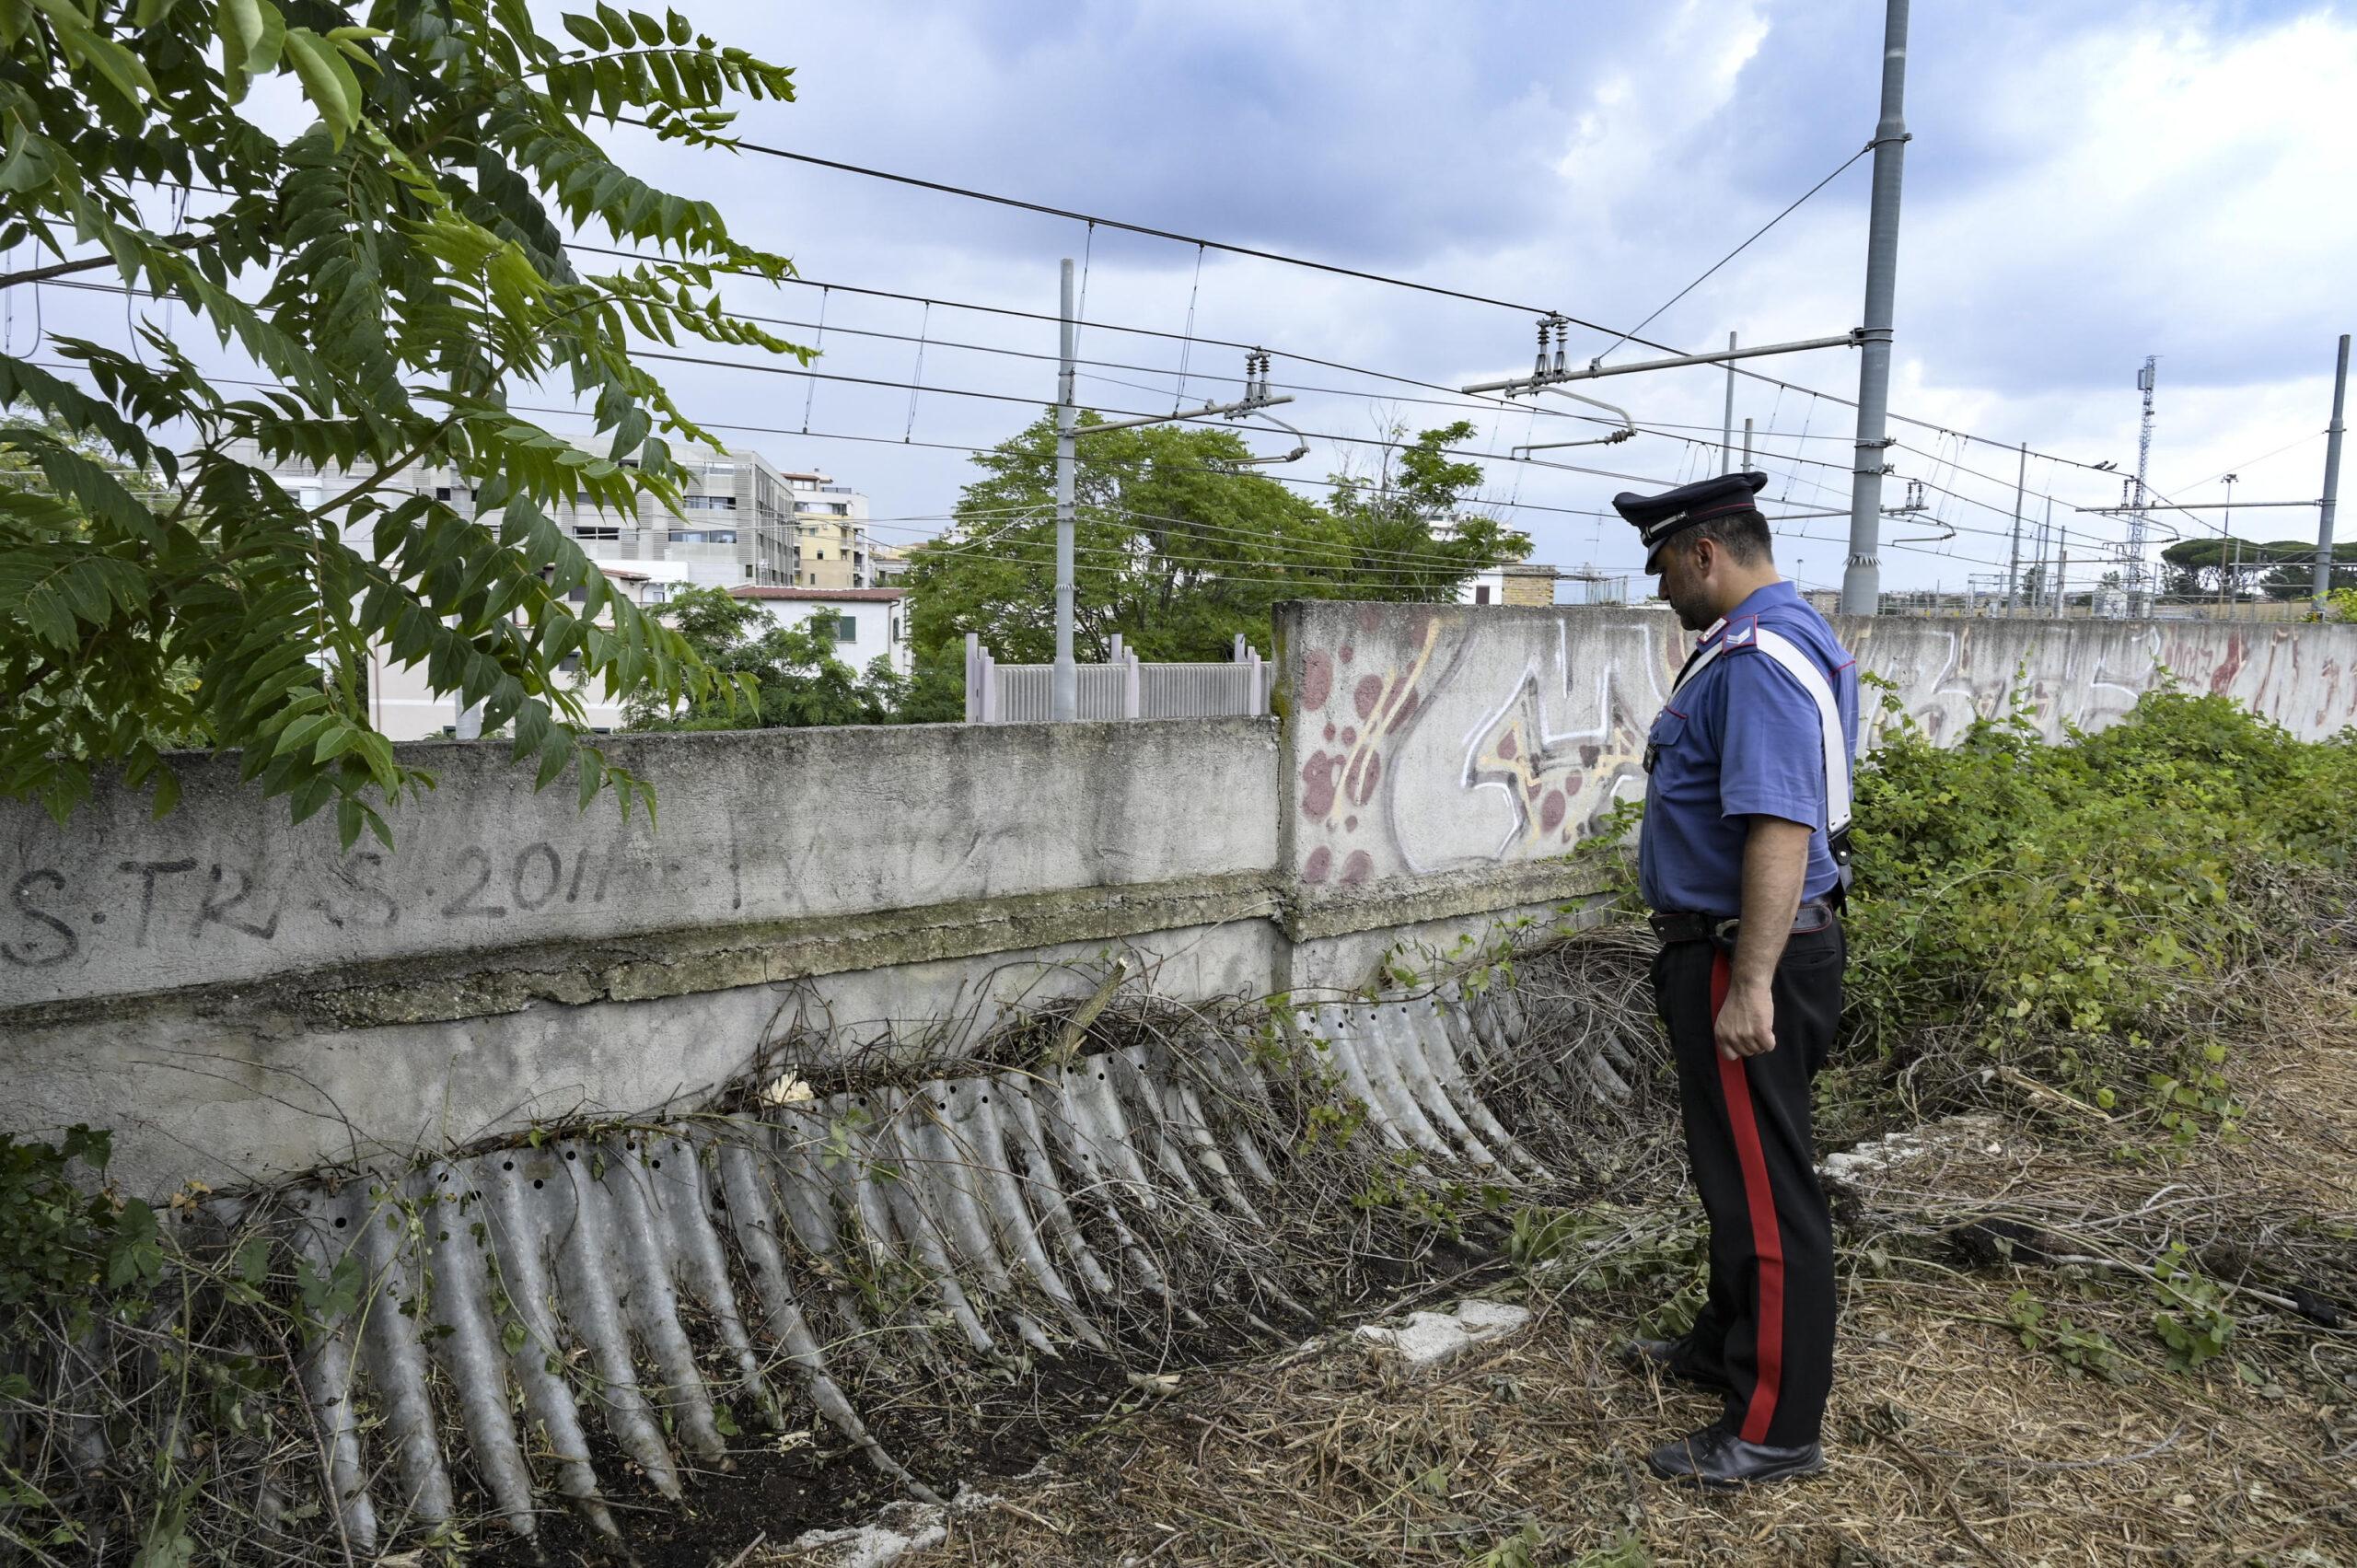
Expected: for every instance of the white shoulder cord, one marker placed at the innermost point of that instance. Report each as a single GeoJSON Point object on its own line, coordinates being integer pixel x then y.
{"type": "Point", "coordinates": [1803, 668]}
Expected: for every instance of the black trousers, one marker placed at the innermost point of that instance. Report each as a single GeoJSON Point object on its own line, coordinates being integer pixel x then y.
{"type": "Point", "coordinates": [1768, 1326]}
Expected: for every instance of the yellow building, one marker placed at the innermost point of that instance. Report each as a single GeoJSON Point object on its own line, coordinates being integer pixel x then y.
{"type": "Point", "coordinates": [830, 534]}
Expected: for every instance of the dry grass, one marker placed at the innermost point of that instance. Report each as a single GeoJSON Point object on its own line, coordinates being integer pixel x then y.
{"type": "Point", "coordinates": [1950, 1440]}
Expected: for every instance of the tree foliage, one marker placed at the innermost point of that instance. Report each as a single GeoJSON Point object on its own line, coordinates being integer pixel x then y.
{"type": "Point", "coordinates": [394, 268]}
{"type": "Point", "coordinates": [1178, 546]}
{"type": "Point", "coordinates": [782, 676]}
{"type": "Point", "coordinates": [2277, 569]}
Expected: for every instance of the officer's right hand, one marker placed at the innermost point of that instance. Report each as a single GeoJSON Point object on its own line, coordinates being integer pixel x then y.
{"type": "Point", "coordinates": [1747, 1022]}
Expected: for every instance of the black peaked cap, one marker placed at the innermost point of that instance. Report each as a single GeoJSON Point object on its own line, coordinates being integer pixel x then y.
{"type": "Point", "coordinates": [1658, 518]}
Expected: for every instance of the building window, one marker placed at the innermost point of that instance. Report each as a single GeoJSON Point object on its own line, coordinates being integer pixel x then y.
{"type": "Point", "coordinates": [590, 530]}
{"type": "Point", "coordinates": [822, 555]}
{"type": "Point", "coordinates": [846, 629]}
{"type": "Point", "coordinates": [704, 535]}
{"type": "Point", "coordinates": [1481, 595]}
{"type": "Point", "coordinates": [707, 503]}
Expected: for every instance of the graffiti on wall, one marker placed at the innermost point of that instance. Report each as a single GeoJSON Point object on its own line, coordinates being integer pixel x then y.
{"type": "Point", "coordinates": [1411, 757]}
{"type": "Point", "coordinates": [1440, 739]}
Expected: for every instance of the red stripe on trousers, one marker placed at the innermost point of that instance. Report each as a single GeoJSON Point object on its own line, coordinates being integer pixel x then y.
{"type": "Point", "coordinates": [1767, 1242]}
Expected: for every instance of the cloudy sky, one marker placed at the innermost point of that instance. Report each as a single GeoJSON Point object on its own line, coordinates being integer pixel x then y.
{"type": "Point", "coordinates": [2090, 181]}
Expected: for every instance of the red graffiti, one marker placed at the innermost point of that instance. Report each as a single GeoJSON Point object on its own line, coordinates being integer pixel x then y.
{"type": "Point", "coordinates": [1359, 867]}
{"type": "Point", "coordinates": [1359, 782]}
{"type": "Point", "coordinates": [1319, 865]}
{"type": "Point", "coordinates": [1509, 747]}
{"type": "Point", "coordinates": [1550, 811]}
{"type": "Point", "coordinates": [1317, 786]}
{"type": "Point", "coordinates": [1366, 694]}
{"type": "Point", "coordinates": [1317, 681]}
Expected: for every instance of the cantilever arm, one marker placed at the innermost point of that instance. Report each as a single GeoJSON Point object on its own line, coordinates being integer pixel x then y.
{"type": "Point", "coordinates": [1628, 426]}
{"type": "Point", "coordinates": [1300, 448]}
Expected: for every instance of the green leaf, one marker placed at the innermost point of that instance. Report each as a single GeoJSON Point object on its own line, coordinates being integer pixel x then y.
{"type": "Point", "coordinates": [327, 79]}
{"type": "Point", "coordinates": [586, 30]}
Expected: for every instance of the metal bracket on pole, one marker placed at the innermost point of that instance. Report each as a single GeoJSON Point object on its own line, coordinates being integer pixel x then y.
{"type": "Point", "coordinates": [1628, 426]}
{"type": "Point", "coordinates": [1516, 386]}
{"type": "Point", "coordinates": [1256, 398]}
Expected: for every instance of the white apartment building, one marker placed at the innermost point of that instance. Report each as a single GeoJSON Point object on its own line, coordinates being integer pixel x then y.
{"type": "Point", "coordinates": [868, 621]}
{"type": "Point", "coordinates": [739, 525]}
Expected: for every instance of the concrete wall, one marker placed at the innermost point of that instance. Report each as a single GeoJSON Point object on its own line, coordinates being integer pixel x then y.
{"type": "Point", "coordinates": [239, 997]}
{"type": "Point", "coordinates": [1442, 760]}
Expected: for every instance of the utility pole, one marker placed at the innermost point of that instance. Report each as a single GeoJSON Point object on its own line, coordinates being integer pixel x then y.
{"type": "Point", "coordinates": [2332, 478]}
{"type": "Point", "coordinates": [1067, 673]}
{"type": "Point", "coordinates": [2063, 570]}
{"type": "Point", "coordinates": [2014, 562]}
{"type": "Point", "coordinates": [2045, 533]}
{"type": "Point", "coordinates": [1861, 577]}
{"type": "Point", "coordinates": [1747, 443]}
{"type": "Point", "coordinates": [2225, 532]}
{"type": "Point", "coordinates": [1726, 420]}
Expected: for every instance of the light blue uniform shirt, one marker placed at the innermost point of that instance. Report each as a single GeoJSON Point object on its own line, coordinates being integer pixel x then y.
{"type": "Point", "coordinates": [1742, 739]}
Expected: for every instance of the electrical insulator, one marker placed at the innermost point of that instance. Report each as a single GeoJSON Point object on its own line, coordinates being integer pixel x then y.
{"type": "Point", "coordinates": [1538, 365]}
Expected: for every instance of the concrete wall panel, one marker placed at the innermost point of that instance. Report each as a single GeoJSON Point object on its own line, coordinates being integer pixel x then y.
{"type": "Point", "coordinates": [755, 827]}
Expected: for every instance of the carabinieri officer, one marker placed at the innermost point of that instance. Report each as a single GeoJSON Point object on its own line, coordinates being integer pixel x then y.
{"type": "Point", "coordinates": [1744, 860]}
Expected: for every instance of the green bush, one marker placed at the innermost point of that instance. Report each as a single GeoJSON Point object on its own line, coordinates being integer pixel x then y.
{"type": "Point", "coordinates": [2091, 909]}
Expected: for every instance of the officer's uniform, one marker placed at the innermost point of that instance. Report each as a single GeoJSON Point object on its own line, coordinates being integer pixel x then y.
{"type": "Point", "coordinates": [1747, 733]}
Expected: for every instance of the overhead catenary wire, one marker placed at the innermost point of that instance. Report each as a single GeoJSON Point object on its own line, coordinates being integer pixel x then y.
{"type": "Point", "coordinates": [1094, 220]}
{"type": "Point", "coordinates": [1310, 263]}
{"type": "Point", "coordinates": [1655, 427]}
{"type": "Point", "coordinates": [1514, 504]}
{"type": "Point", "coordinates": [1804, 196]}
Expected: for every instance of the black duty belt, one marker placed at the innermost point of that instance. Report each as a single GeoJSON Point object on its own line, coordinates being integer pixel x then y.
{"type": "Point", "coordinates": [1687, 925]}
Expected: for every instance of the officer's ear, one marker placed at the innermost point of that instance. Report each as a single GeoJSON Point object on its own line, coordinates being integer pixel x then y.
{"type": "Point", "coordinates": [1701, 551]}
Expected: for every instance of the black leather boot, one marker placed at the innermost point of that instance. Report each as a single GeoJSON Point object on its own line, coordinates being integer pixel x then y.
{"type": "Point", "coordinates": [1716, 1458]}
{"type": "Point", "coordinates": [1675, 1358]}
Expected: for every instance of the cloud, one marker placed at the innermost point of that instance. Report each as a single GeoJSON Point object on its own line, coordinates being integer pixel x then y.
{"type": "Point", "coordinates": [2089, 182]}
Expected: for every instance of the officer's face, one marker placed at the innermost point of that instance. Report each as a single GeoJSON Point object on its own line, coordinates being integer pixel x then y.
{"type": "Point", "coordinates": [1685, 582]}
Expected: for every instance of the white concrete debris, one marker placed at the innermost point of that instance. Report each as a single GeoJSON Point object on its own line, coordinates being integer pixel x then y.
{"type": "Point", "coordinates": [660, 1282]}
{"type": "Point", "coordinates": [1852, 1165]}
{"type": "Point", "coordinates": [1429, 1339]}
{"type": "Point", "coordinates": [897, 1530]}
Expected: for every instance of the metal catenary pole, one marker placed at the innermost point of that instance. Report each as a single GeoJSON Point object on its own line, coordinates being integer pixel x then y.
{"type": "Point", "coordinates": [1747, 443]}
{"type": "Point", "coordinates": [2226, 533]}
{"type": "Point", "coordinates": [1726, 420]}
{"type": "Point", "coordinates": [2332, 478]}
{"type": "Point", "coordinates": [1861, 578]}
{"type": "Point", "coordinates": [2014, 561]}
{"type": "Point", "coordinates": [1067, 674]}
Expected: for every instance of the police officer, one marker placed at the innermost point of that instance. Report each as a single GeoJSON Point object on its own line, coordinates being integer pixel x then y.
{"type": "Point", "coordinates": [1743, 858]}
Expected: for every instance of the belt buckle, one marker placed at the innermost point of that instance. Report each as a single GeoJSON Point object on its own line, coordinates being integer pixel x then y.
{"type": "Point", "coordinates": [1723, 932]}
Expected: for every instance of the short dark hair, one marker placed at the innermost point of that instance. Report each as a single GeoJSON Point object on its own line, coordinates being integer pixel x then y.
{"type": "Point", "coordinates": [1742, 534]}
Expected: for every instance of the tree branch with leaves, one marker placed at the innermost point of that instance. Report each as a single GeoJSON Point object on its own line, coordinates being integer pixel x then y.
{"type": "Point", "coordinates": [395, 268]}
